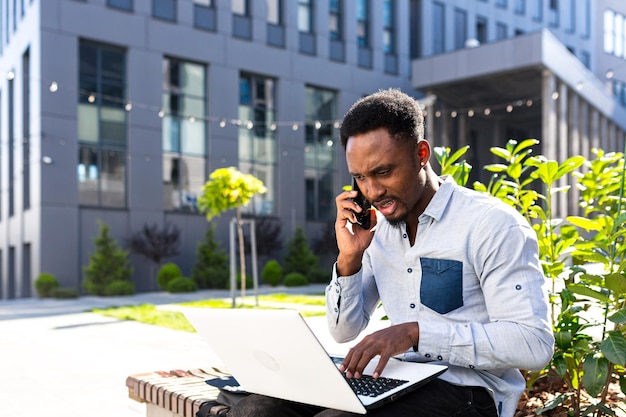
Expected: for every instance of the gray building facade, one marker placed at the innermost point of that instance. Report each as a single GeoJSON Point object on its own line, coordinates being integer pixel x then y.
{"type": "Point", "coordinates": [118, 110]}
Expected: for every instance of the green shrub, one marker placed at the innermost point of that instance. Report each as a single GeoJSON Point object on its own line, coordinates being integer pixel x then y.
{"type": "Point", "coordinates": [272, 273]}
{"type": "Point", "coordinates": [182, 284]}
{"type": "Point", "coordinates": [295, 279]}
{"type": "Point", "coordinates": [319, 275]}
{"type": "Point", "coordinates": [108, 263]}
{"type": "Point", "coordinates": [211, 268]}
{"type": "Point", "coordinates": [45, 284]}
{"type": "Point", "coordinates": [64, 293]}
{"type": "Point", "coordinates": [300, 257]}
{"type": "Point", "coordinates": [168, 273]}
{"type": "Point", "coordinates": [119, 287]}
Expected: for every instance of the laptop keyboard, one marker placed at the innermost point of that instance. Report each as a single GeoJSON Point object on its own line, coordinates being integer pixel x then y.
{"type": "Point", "coordinates": [369, 386]}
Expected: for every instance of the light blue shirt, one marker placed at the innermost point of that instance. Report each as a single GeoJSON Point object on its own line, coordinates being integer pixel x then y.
{"type": "Point", "coordinates": [472, 280]}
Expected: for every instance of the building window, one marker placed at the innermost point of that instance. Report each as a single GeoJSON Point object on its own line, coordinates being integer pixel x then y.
{"type": "Point", "coordinates": [257, 138]}
{"type": "Point", "coordinates": [121, 4]}
{"type": "Point", "coordinates": [305, 16]}
{"type": "Point", "coordinates": [439, 23]}
{"type": "Point", "coordinates": [320, 153]}
{"type": "Point", "coordinates": [389, 31]}
{"type": "Point", "coordinates": [460, 28]}
{"type": "Point", "coordinates": [586, 20]}
{"type": "Point", "coordinates": [618, 30]}
{"type": "Point", "coordinates": [362, 17]}
{"type": "Point", "coordinates": [501, 31]}
{"type": "Point", "coordinates": [240, 7]}
{"type": "Point", "coordinates": [26, 130]}
{"type": "Point", "coordinates": [572, 17]}
{"type": "Point", "coordinates": [274, 12]}
{"type": "Point", "coordinates": [502, 3]}
{"type": "Point", "coordinates": [204, 15]}
{"type": "Point", "coordinates": [164, 10]}
{"type": "Point", "coordinates": [538, 10]}
{"type": "Point", "coordinates": [102, 125]}
{"type": "Point", "coordinates": [306, 35]}
{"type": "Point", "coordinates": [275, 26]}
{"type": "Point", "coordinates": [520, 7]}
{"type": "Point", "coordinates": [11, 143]}
{"type": "Point", "coordinates": [335, 20]}
{"type": "Point", "coordinates": [184, 134]}
{"type": "Point", "coordinates": [481, 29]}
{"type": "Point", "coordinates": [553, 13]}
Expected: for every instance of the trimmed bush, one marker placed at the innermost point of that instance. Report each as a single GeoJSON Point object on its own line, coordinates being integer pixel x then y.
{"type": "Point", "coordinates": [119, 287]}
{"type": "Point", "coordinates": [319, 275]}
{"type": "Point", "coordinates": [168, 273]}
{"type": "Point", "coordinates": [45, 284]}
{"type": "Point", "coordinates": [295, 279]}
{"type": "Point", "coordinates": [65, 293]}
{"type": "Point", "coordinates": [211, 268]}
{"type": "Point", "coordinates": [182, 284]}
{"type": "Point", "coordinates": [272, 273]}
{"type": "Point", "coordinates": [108, 263]}
{"type": "Point", "coordinates": [300, 257]}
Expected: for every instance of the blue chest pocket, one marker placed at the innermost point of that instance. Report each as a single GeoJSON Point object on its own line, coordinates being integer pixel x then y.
{"type": "Point", "coordinates": [442, 284]}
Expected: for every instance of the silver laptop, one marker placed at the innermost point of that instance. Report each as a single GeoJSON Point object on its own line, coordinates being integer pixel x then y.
{"type": "Point", "coordinates": [275, 353]}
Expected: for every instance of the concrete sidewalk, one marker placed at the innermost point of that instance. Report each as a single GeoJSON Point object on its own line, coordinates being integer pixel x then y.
{"type": "Point", "coordinates": [60, 361]}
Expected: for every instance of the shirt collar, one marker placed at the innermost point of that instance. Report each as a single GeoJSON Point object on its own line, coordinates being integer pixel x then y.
{"type": "Point", "coordinates": [441, 198]}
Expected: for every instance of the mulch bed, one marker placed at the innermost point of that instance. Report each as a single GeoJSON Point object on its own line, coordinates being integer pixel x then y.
{"type": "Point", "coordinates": [548, 387]}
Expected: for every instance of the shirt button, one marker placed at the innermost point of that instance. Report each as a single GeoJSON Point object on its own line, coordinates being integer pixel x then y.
{"type": "Point", "coordinates": [518, 287]}
{"type": "Point", "coordinates": [336, 310]}
{"type": "Point", "coordinates": [404, 235]}
{"type": "Point", "coordinates": [440, 357]}
{"type": "Point", "coordinates": [471, 366]}
{"type": "Point", "coordinates": [337, 290]}
{"type": "Point", "coordinates": [409, 270]}
{"type": "Point", "coordinates": [412, 305]}
{"type": "Point", "coordinates": [427, 355]}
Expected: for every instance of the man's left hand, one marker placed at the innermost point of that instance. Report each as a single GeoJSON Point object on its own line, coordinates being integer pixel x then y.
{"type": "Point", "coordinates": [386, 343]}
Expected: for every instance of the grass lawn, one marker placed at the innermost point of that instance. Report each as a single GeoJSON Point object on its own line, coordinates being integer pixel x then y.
{"type": "Point", "coordinates": [308, 305]}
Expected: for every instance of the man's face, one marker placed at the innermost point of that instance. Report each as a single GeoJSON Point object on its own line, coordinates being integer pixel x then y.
{"type": "Point", "coordinates": [387, 172]}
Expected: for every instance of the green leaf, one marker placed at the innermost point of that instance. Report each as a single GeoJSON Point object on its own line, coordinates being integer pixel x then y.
{"type": "Point", "coordinates": [619, 316]}
{"type": "Point", "coordinates": [501, 152]}
{"type": "Point", "coordinates": [614, 348]}
{"type": "Point", "coordinates": [595, 373]}
{"type": "Point", "coordinates": [616, 283]}
{"type": "Point", "coordinates": [455, 156]}
{"type": "Point", "coordinates": [588, 292]}
{"type": "Point", "coordinates": [547, 172]}
{"type": "Point", "coordinates": [527, 143]}
{"type": "Point", "coordinates": [584, 223]}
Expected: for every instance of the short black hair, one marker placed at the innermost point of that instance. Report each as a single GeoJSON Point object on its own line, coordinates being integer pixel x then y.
{"type": "Point", "coordinates": [390, 109]}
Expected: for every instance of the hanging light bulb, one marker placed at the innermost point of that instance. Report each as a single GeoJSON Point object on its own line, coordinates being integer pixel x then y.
{"type": "Point", "coordinates": [54, 87]}
{"type": "Point", "coordinates": [318, 125]}
{"type": "Point", "coordinates": [222, 123]}
{"type": "Point", "coordinates": [487, 111]}
{"type": "Point", "coordinates": [294, 126]}
{"type": "Point", "coordinates": [509, 108]}
{"type": "Point", "coordinates": [161, 113]}
{"type": "Point", "coordinates": [470, 113]}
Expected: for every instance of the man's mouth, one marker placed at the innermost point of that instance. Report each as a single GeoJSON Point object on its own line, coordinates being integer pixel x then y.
{"type": "Point", "coordinates": [386, 207]}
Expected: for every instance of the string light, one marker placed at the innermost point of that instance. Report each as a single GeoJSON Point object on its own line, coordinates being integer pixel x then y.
{"type": "Point", "coordinates": [54, 87]}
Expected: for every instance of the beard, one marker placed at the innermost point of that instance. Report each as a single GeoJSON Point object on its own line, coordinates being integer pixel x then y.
{"type": "Point", "coordinates": [397, 222]}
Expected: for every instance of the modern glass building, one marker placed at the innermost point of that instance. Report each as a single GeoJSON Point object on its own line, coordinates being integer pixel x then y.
{"type": "Point", "coordinates": [118, 110]}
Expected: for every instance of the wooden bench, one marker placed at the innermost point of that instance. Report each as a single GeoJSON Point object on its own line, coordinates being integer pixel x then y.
{"type": "Point", "coordinates": [175, 393]}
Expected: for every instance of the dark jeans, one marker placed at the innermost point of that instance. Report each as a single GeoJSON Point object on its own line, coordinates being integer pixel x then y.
{"type": "Point", "coordinates": [435, 399]}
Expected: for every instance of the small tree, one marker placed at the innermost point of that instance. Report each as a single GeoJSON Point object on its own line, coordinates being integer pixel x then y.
{"type": "Point", "coordinates": [300, 257]}
{"type": "Point", "coordinates": [156, 244]}
{"type": "Point", "coordinates": [211, 267]}
{"type": "Point", "coordinates": [227, 189]}
{"type": "Point", "coordinates": [107, 263]}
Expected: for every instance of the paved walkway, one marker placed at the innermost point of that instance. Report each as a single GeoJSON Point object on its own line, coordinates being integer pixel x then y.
{"type": "Point", "coordinates": [57, 360]}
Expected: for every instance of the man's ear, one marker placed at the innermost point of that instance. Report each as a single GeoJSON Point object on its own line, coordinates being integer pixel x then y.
{"type": "Point", "coordinates": [423, 152]}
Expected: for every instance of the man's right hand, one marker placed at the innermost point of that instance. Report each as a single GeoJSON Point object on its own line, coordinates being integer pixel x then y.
{"type": "Point", "coordinates": [351, 244]}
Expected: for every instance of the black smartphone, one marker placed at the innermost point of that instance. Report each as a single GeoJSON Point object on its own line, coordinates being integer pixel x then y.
{"type": "Point", "coordinates": [362, 218]}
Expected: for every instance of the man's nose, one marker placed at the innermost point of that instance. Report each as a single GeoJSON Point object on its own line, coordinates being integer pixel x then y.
{"type": "Point", "coordinates": [374, 190]}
